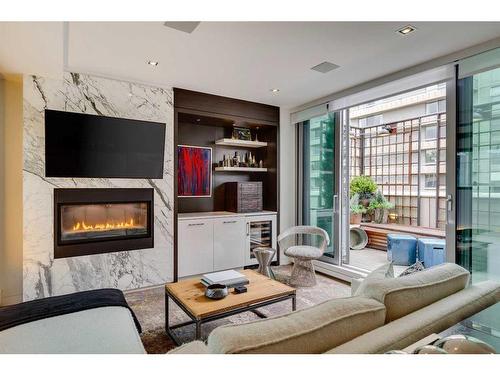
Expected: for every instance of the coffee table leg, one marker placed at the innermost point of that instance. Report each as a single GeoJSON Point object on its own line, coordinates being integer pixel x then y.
{"type": "Point", "coordinates": [166, 312]}
{"type": "Point", "coordinates": [198, 330]}
{"type": "Point", "coordinates": [294, 303]}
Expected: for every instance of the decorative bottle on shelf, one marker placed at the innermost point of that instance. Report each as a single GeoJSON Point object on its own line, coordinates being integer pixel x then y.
{"type": "Point", "coordinates": [261, 164]}
{"type": "Point", "coordinates": [236, 159]}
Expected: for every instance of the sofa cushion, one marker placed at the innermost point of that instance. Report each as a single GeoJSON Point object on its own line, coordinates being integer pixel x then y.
{"type": "Point", "coordinates": [104, 330]}
{"type": "Point", "coordinates": [434, 318]}
{"type": "Point", "coordinates": [193, 347]}
{"type": "Point", "coordinates": [308, 331]}
{"type": "Point", "coordinates": [403, 295]}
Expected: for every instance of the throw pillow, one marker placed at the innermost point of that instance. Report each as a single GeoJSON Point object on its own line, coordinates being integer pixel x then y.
{"type": "Point", "coordinates": [417, 267]}
{"type": "Point", "coordinates": [382, 272]}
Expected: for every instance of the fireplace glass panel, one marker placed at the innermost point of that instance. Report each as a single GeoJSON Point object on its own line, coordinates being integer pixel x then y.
{"type": "Point", "coordinates": [91, 222]}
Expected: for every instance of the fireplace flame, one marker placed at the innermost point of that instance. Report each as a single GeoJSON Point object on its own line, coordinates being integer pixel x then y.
{"type": "Point", "coordinates": [82, 226]}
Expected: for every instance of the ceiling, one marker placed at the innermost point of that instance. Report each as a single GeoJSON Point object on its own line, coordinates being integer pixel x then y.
{"type": "Point", "coordinates": [237, 59]}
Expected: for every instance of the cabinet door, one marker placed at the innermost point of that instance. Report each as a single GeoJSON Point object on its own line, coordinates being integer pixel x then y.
{"type": "Point", "coordinates": [195, 247]}
{"type": "Point", "coordinates": [260, 232]}
{"type": "Point", "coordinates": [229, 243]}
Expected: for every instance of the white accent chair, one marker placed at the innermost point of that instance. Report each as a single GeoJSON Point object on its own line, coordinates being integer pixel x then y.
{"type": "Point", "coordinates": [303, 270]}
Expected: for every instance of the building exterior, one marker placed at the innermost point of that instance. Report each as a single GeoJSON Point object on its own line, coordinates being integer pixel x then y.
{"type": "Point", "coordinates": [401, 143]}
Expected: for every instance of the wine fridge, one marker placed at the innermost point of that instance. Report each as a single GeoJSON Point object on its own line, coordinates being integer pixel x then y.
{"type": "Point", "coordinates": [260, 232]}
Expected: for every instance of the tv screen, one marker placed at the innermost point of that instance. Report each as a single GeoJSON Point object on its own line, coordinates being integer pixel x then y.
{"type": "Point", "coordinates": [82, 145]}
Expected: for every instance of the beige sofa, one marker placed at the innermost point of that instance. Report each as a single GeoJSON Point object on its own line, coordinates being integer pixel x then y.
{"type": "Point", "coordinates": [385, 314]}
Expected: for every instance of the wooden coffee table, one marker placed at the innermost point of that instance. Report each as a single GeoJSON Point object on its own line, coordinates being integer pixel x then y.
{"type": "Point", "coordinates": [189, 295]}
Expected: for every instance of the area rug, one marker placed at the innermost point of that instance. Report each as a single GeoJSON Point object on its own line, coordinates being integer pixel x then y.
{"type": "Point", "coordinates": [149, 306]}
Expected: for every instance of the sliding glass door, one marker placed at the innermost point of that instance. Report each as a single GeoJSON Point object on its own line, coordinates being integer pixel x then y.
{"type": "Point", "coordinates": [317, 180]}
{"type": "Point", "coordinates": [478, 174]}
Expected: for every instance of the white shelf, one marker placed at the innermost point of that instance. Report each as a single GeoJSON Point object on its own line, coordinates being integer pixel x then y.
{"type": "Point", "coordinates": [240, 143]}
{"type": "Point", "coordinates": [240, 169]}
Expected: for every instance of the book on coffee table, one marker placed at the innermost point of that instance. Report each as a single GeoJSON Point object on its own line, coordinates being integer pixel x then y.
{"type": "Point", "coordinates": [229, 278]}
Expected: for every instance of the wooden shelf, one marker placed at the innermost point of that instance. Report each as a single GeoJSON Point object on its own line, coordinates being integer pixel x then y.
{"type": "Point", "coordinates": [240, 169]}
{"type": "Point", "coordinates": [239, 143]}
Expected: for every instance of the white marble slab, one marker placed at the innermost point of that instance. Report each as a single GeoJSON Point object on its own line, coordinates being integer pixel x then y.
{"type": "Point", "coordinates": [45, 276]}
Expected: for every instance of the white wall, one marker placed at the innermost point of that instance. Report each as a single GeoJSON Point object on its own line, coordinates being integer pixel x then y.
{"type": "Point", "coordinates": [11, 161]}
{"type": "Point", "coordinates": [288, 174]}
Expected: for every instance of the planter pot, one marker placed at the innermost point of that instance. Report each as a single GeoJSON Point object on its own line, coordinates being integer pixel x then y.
{"type": "Point", "coordinates": [380, 215]}
{"type": "Point", "coordinates": [355, 218]}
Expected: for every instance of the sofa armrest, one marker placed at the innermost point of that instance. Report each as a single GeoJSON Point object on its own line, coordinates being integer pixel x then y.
{"type": "Point", "coordinates": [194, 347]}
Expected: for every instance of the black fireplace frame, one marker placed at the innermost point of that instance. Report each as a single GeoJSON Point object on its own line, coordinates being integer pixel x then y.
{"type": "Point", "coordinates": [101, 196]}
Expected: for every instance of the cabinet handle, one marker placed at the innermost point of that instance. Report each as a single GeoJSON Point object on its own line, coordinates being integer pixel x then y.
{"type": "Point", "coordinates": [194, 225]}
{"type": "Point", "coordinates": [248, 229]}
{"type": "Point", "coordinates": [229, 222]}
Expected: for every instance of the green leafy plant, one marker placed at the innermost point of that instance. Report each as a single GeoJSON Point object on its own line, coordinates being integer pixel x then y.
{"type": "Point", "coordinates": [354, 205]}
{"type": "Point", "coordinates": [364, 186]}
{"type": "Point", "coordinates": [379, 201]}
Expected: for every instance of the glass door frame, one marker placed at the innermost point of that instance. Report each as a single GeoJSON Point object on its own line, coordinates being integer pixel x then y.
{"type": "Point", "coordinates": [340, 267]}
{"type": "Point", "coordinates": [335, 260]}
{"type": "Point", "coordinates": [451, 166]}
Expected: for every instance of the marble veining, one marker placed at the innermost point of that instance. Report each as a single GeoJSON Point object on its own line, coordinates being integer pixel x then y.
{"type": "Point", "coordinates": [42, 274]}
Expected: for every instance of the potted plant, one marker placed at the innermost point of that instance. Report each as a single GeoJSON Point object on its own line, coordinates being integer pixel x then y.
{"type": "Point", "coordinates": [357, 210]}
{"type": "Point", "coordinates": [365, 187]}
{"type": "Point", "coordinates": [379, 207]}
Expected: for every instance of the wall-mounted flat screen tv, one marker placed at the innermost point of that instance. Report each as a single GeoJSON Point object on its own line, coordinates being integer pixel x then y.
{"type": "Point", "coordinates": [83, 145]}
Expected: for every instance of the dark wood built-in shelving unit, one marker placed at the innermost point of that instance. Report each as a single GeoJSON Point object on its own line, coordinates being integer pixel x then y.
{"type": "Point", "coordinates": [208, 120]}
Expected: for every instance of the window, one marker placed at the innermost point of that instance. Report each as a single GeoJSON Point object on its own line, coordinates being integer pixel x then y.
{"type": "Point", "coordinates": [430, 156]}
{"type": "Point", "coordinates": [495, 91]}
{"type": "Point", "coordinates": [429, 132]}
{"type": "Point", "coordinates": [315, 165]}
{"type": "Point", "coordinates": [431, 108]}
{"type": "Point", "coordinates": [437, 106]}
{"type": "Point", "coordinates": [371, 121]}
{"type": "Point", "coordinates": [442, 106]}
{"type": "Point", "coordinates": [430, 181]}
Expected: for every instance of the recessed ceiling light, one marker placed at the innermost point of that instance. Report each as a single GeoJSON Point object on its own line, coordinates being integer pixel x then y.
{"type": "Point", "coordinates": [407, 29]}
{"type": "Point", "coordinates": [152, 63]}
{"type": "Point", "coordinates": [275, 90]}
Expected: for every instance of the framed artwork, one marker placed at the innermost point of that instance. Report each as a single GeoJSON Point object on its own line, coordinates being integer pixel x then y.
{"type": "Point", "coordinates": [194, 173]}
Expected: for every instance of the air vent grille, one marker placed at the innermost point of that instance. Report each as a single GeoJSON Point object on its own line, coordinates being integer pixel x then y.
{"type": "Point", "coordinates": [325, 67]}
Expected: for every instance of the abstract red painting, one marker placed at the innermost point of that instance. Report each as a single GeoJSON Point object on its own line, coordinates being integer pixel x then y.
{"type": "Point", "coordinates": [194, 177]}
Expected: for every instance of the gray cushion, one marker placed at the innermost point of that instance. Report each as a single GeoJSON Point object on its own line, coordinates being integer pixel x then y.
{"type": "Point", "coordinates": [303, 251]}
{"type": "Point", "coordinates": [403, 295]}
{"type": "Point", "coordinates": [416, 267]}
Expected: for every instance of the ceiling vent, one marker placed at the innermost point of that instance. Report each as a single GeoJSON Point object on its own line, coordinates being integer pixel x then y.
{"type": "Point", "coordinates": [325, 67]}
{"type": "Point", "coordinates": [184, 26]}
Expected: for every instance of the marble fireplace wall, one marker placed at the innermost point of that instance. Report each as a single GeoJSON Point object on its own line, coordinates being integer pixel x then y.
{"type": "Point", "coordinates": [42, 274]}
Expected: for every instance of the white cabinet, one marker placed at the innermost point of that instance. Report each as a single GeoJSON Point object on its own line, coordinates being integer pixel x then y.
{"type": "Point", "coordinates": [209, 242]}
{"type": "Point", "coordinates": [260, 232]}
{"type": "Point", "coordinates": [229, 243]}
{"type": "Point", "coordinates": [195, 247]}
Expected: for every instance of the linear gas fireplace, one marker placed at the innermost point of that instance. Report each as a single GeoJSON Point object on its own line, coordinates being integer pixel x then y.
{"type": "Point", "coordinates": [94, 221]}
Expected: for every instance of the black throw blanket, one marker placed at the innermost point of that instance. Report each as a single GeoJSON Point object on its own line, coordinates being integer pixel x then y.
{"type": "Point", "coordinates": [14, 315]}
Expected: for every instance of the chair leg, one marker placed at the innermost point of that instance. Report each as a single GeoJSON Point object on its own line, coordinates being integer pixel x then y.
{"type": "Point", "coordinates": [303, 273]}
